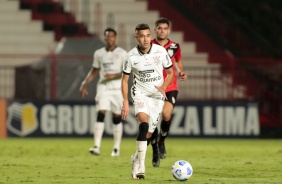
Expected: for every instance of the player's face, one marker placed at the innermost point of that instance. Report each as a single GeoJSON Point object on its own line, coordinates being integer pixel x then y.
{"type": "Point", "coordinates": [162, 31]}
{"type": "Point", "coordinates": [110, 38]}
{"type": "Point", "coordinates": [143, 37]}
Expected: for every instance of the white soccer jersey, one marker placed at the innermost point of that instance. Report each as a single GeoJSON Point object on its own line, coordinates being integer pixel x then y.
{"type": "Point", "coordinates": [147, 69]}
{"type": "Point", "coordinates": [109, 62]}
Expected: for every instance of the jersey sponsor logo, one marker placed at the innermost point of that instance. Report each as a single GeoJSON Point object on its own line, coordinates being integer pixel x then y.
{"type": "Point", "coordinates": [146, 74]}
{"type": "Point", "coordinates": [147, 63]}
{"type": "Point", "coordinates": [146, 71]}
{"type": "Point", "coordinates": [107, 64]}
{"type": "Point", "coordinates": [135, 63]}
{"type": "Point", "coordinates": [22, 119]}
{"type": "Point", "coordinates": [153, 79]}
{"type": "Point", "coordinates": [158, 52]}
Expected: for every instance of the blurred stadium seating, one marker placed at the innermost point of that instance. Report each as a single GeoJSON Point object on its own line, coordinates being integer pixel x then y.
{"type": "Point", "coordinates": [18, 31]}
{"type": "Point", "coordinates": [54, 18]}
{"type": "Point", "coordinates": [251, 31]}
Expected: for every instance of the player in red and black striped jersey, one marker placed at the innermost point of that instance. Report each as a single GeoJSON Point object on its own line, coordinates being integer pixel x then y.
{"type": "Point", "coordinates": [162, 31]}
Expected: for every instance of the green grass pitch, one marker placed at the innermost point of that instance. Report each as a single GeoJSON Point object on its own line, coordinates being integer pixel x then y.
{"type": "Point", "coordinates": [66, 160]}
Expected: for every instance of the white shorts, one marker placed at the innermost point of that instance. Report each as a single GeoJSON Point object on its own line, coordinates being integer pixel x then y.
{"type": "Point", "coordinates": [151, 106]}
{"type": "Point", "coordinates": [109, 102]}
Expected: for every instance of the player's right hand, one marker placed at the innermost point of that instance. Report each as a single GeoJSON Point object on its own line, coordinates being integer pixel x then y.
{"type": "Point", "coordinates": [83, 90]}
{"type": "Point", "coordinates": [124, 110]}
{"type": "Point", "coordinates": [162, 90]}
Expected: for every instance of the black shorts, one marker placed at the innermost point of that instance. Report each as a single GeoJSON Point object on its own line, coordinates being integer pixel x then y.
{"type": "Point", "coordinates": [171, 97]}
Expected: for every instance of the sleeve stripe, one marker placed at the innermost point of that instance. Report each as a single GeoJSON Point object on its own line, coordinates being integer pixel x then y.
{"type": "Point", "coordinates": [168, 67]}
{"type": "Point", "coordinates": [125, 73]}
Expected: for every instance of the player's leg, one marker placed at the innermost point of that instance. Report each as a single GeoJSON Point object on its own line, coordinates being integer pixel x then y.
{"type": "Point", "coordinates": [141, 142]}
{"type": "Point", "coordinates": [134, 164]}
{"type": "Point", "coordinates": [116, 103]}
{"type": "Point", "coordinates": [166, 121]}
{"type": "Point", "coordinates": [102, 105]}
{"type": "Point", "coordinates": [98, 131]}
{"type": "Point", "coordinates": [155, 115]}
{"type": "Point", "coordinates": [164, 128]}
{"type": "Point", "coordinates": [154, 143]}
{"type": "Point", "coordinates": [117, 134]}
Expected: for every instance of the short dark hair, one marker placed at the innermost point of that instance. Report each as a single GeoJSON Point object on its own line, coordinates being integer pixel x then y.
{"type": "Point", "coordinates": [162, 20]}
{"type": "Point", "coordinates": [109, 29]}
{"type": "Point", "coordinates": [141, 27]}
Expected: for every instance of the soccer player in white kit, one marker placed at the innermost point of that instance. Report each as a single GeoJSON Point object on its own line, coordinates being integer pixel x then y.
{"type": "Point", "coordinates": [108, 62]}
{"type": "Point", "coordinates": [146, 62]}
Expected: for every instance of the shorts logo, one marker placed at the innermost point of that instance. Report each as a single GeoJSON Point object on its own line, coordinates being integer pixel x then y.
{"type": "Point", "coordinates": [173, 100]}
{"type": "Point", "coordinates": [140, 105]}
{"type": "Point", "coordinates": [22, 118]}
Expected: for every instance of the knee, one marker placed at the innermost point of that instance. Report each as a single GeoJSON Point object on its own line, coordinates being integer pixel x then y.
{"type": "Point", "coordinates": [100, 117]}
{"type": "Point", "coordinates": [149, 135]}
{"type": "Point", "coordinates": [116, 120]}
{"type": "Point", "coordinates": [166, 115]}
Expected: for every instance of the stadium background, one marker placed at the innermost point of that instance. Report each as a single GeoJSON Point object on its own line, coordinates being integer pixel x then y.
{"type": "Point", "coordinates": [231, 50]}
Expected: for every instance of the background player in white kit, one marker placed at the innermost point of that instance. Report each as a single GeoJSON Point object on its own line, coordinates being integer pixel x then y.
{"type": "Point", "coordinates": [146, 62]}
{"type": "Point", "coordinates": [108, 62]}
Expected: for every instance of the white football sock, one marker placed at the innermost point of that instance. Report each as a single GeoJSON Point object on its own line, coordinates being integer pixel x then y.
{"type": "Point", "coordinates": [117, 134]}
{"type": "Point", "coordinates": [142, 148]}
{"type": "Point", "coordinates": [98, 133]}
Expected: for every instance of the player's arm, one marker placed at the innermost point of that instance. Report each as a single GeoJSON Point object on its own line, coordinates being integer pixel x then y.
{"type": "Point", "coordinates": [89, 77]}
{"type": "Point", "coordinates": [124, 91]}
{"type": "Point", "coordinates": [180, 68]}
{"type": "Point", "coordinates": [113, 76]}
{"type": "Point", "coordinates": [167, 81]}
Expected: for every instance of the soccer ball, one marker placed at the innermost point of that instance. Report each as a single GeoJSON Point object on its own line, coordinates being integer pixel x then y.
{"type": "Point", "coordinates": [182, 170]}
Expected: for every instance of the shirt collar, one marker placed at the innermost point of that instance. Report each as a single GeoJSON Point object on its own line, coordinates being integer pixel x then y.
{"type": "Point", "coordinates": [142, 53]}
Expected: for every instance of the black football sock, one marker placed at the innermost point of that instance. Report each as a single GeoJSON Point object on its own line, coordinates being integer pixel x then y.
{"type": "Point", "coordinates": [154, 139]}
{"type": "Point", "coordinates": [165, 125]}
{"type": "Point", "coordinates": [143, 129]}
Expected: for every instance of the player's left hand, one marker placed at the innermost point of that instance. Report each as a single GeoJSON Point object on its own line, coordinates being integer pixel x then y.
{"type": "Point", "coordinates": [83, 90]}
{"type": "Point", "coordinates": [124, 110]}
{"type": "Point", "coordinates": [182, 76]}
{"type": "Point", "coordinates": [160, 89]}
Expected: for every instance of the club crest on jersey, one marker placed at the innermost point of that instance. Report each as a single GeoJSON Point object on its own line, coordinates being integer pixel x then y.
{"type": "Point", "coordinates": [22, 119]}
{"type": "Point", "coordinates": [170, 52]}
{"type": "Point", "coordinates": [157, 60]}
